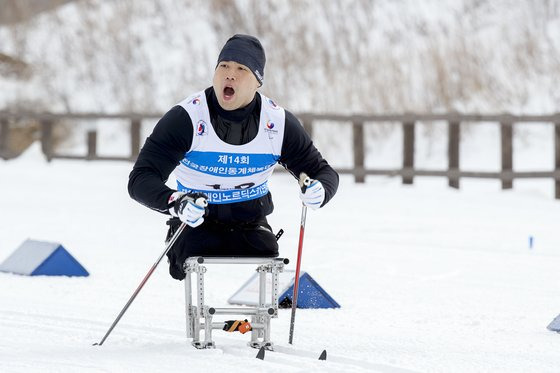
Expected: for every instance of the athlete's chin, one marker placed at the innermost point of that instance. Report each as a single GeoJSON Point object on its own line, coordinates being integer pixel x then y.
{"type": "Point", "coordinates": [229, 104]}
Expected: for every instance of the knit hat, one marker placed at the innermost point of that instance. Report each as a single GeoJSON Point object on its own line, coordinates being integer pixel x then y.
{"type": "Point", "coordinates": [246, 50]}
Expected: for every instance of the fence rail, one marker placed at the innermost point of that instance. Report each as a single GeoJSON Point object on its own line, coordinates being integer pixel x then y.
{"type": "Point", "coordinates": [408, 121]}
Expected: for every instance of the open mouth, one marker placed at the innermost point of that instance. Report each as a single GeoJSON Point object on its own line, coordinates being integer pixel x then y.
{"type": "Point", "coordinates": [228, 92]}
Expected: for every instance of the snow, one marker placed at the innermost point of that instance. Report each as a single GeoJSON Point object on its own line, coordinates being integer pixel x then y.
{"type": "Point", "coordinates": [430, 279]}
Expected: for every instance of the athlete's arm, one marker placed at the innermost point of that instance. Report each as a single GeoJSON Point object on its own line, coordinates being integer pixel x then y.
{"type": "Point", "coordinates": [300, 155]}
{"type": "Point", "coordinates": [162, 152]}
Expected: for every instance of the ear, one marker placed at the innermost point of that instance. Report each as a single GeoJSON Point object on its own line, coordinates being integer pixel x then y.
{"type": "Point", "coordinates": [257, 85]}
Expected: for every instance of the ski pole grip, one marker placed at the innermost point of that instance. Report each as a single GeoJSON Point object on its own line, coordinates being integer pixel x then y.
{"type": "Point", "coordinates": [304, 181]}
{"type": "Point", "coordinates": [201, 201]}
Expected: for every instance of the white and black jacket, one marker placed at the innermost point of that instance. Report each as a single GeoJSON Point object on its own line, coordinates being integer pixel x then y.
{"type": "Point", "coordinates": [173, 135]}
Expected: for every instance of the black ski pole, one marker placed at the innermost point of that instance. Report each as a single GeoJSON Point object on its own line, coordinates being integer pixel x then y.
{"type": "Point", "coordinates": [171, 242]}
{"type": "Point", "coordinates": [176, 235]}
{"type": "Point", "coordinates": [304, 182]}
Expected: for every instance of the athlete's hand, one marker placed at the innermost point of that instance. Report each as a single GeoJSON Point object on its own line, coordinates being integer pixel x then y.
{"type": "Point", "coordinates": [190, 208]}
{"type": "Point", "coordinates": [312, 193]}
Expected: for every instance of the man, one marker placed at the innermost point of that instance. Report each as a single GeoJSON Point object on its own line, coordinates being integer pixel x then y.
{"type": "Point", "coordinates": [222, 144]}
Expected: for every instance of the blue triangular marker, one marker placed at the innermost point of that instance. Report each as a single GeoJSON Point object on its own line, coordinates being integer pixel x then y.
{"type": "Point", "coordinates": [34, 258]}
{"type": "Point", "coordinates": [554, 325]}
{"type": "Point", "coordinates": [310, 294]}
{"type": "Point", "coordinates": [60, 263]}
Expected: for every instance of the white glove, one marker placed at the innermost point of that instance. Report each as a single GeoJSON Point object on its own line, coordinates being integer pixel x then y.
{"type": "Point", "coordinates": [314, 195]}
{"type": "Point", "coordinates": [189, 208]}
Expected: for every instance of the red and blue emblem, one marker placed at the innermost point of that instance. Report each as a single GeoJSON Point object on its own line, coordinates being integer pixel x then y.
{"type": "Point", "coordinates": [273, 104]}
{"type": "Point", "coordinates": [269, 125]}
{"type": "Point", "coordinates": [201, 128]}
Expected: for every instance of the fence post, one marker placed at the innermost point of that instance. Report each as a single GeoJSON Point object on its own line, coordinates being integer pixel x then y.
{"type": "Point", "coordinates": [4, 138]}
{"type": "Point", "coordinates": [359, 154]}
{"type": "Point", "coordinates": [91, 145]}
{"type": "Point", "coordinates": [46, 139]}
{"type": "Point", "coordinates": [308, 126]}
{"type": "Point", "coordinates": [557, 161]}
{"type": "Point", "coordinates": [135, 125]}
{"type": "Point", "coordinates": [408, 152]}
{"type": "Point", "coordinates": [506, 130]}
{"type": "Point", "coordinates": [454, 135]}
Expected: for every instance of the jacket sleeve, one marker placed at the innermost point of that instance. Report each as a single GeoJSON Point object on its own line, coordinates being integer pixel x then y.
{"type": "Point", "coordinates": [300, 155]}
{"type": "Point", "coordinates": [162, 152]}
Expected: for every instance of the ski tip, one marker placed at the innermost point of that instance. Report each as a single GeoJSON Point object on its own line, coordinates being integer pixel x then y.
{"type": "Point", "coordinates": [260, 354]}
{"type": "Point", "coordinates": [323, 355]}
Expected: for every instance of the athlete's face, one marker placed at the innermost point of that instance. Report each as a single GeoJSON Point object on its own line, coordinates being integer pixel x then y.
{"type": "Point", "coordinates": [234, 84]}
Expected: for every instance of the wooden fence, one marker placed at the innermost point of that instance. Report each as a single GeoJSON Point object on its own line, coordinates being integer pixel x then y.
{"type": "Point", "coordinates": [407, 121]}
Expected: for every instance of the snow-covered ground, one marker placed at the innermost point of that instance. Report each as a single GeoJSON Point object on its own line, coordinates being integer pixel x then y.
{"type": "Point", "coordinates": [429, 278]}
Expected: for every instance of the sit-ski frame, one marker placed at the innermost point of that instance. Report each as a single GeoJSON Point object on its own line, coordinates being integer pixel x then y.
{"type": "Point", "coordinates": [199, 317]}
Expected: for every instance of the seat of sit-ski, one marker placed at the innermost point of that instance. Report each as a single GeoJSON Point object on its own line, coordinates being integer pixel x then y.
{"type": "Point", "coordinates": [235, 260]}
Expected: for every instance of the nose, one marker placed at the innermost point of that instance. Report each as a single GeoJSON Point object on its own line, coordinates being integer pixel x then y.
{"type": "Point", "coordinates": [231, 74]}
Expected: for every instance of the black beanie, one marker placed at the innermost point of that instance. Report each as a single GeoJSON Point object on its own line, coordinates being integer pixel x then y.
{"type": "Point", "coordinates": [246, 50]}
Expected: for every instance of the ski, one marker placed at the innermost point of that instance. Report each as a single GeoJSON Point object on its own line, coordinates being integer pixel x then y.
{"type": "Point", "coordinates": [262, 352]}
{"type": "Point", "coordinates": [334, 361]}
{"type": "Point", "coordinates": [296, 357]}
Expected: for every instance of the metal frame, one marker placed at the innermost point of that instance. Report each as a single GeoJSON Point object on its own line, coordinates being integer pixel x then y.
{"type": "Point", "coordinates": [199, 317]}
